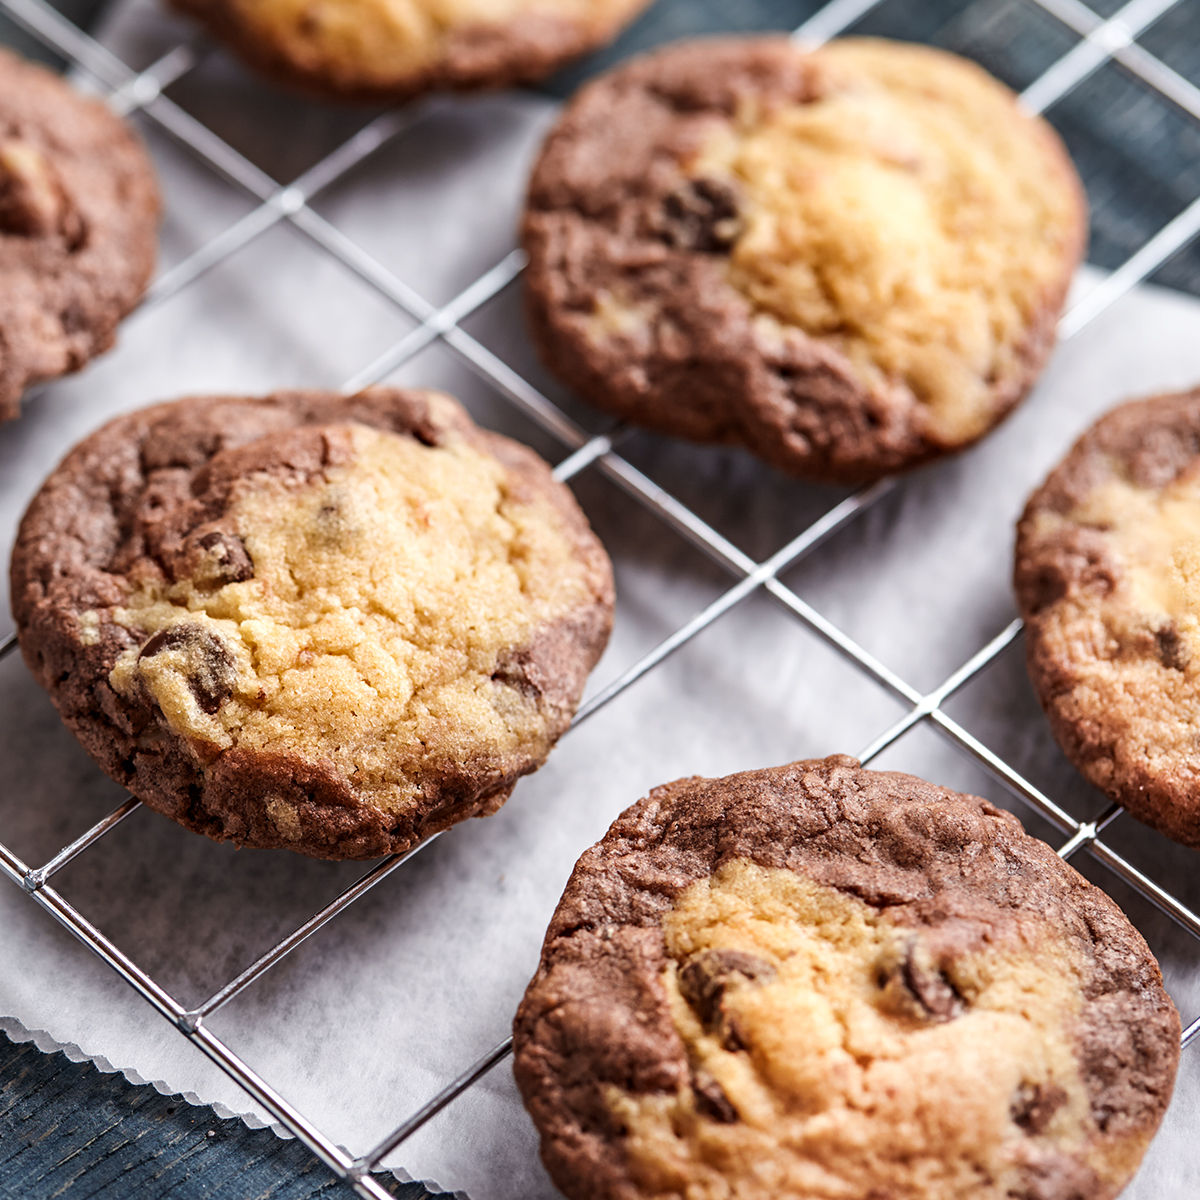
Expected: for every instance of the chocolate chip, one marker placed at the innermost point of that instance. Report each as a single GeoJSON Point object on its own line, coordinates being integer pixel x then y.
{"type": "Point", "coordinates": [933, 989]}
{"type": "Point", "coordinates": [1172, 650]}
{"type": "Point", "coordinates": [427, 433]}
{"type": "Point", "coordinates": [701, 214]}
{"type": "Point", "coordinates": [711, 1099]}
{"type": "Point", "coordinates": [707, 976]}
{"type": "Point", "coordinates": [224, 559]}
{"type": "Point", "coordinates": [335, 524]}
{"type": "Point", "coordinates": [1084, 564]}
{"type": "Point", "coordinates": [513, 670]}
{"type": "Point", "coordinates": [915, 986]}
{"type": "Point", "coordinates": [209, 664]}
{"type": "Point", "coordinates": [73, 318]}
{"type": "Point", "coordinates": [1035, 1104]}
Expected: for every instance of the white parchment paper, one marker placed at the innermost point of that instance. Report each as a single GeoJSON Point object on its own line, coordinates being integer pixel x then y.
{"type": "Point", "coordinates": [381, 1009]}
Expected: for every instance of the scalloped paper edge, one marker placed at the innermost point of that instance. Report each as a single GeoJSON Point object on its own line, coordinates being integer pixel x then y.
{"type": "Point", "coordinates": [16, 1031]}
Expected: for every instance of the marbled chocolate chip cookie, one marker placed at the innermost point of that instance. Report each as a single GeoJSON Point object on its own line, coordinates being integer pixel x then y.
{"type": "Point", "coordinates": [1108, 581]}
{"type": "Point", "coordinates": [79, 210]}
{"type": "Point", "coordinates": [819, 982]}
{"type": "Point", "coordinates": [332, 624]}
{"type": "Point", "coordinates": [848, 260]}
{"type": "Point", "coordinates": [389, 50]}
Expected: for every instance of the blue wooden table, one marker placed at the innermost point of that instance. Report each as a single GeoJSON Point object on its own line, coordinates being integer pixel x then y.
{"type": "Point", "coordinates": [66, 1130]}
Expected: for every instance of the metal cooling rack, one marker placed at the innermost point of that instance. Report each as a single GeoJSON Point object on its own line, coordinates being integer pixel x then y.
{"type": "Point", "coordinates": [1100, 41]}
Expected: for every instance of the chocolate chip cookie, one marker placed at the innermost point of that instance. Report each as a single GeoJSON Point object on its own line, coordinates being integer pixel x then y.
{"type": "Point", "coordinates": [818, 982]}
{"type": "Point", "coordinates": [379, 50]}
{"type": "Point", "coordinates": [332, 624]}
{"type": "Point", "coordinates": [1108, 581]}
{"type": "Point", "coordinates": [79, 208]}
{"type": "Point", "coordinates": [848, 260]}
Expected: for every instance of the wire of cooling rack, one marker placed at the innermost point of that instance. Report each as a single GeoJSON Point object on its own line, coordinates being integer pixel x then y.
{"type": "Point", "coordinates": [1101, 40]}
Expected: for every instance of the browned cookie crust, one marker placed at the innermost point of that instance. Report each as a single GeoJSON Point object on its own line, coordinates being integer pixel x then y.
{"type": "Point", "coordinates": [822, 983]}
{"type": "Point", "coordinates": [333, 624]}
{"type": "Point", "coordinates": [1108, 581]}
{"type": "Point", "coordinates": [376, 50]}
{"type": "Point", "coordinates": [78, 210]}
{"type": "Point", "coordinates": [849, 260]}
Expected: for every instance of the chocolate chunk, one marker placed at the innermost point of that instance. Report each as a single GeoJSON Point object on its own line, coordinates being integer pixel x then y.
{"type": "Point", "coordinates": [1172, 650]}
{"type": "Point", "coordinates": [913, 985]}
{"type": "Point", "coordinates": [707, 976]}
{"type": "Point", "coordinates": [701, 214]}
{"type": "Point", "coordinates": [711, 1099]}
{"type": "Point", "coordinates": [211, 670]}
{"type": "Point", "coordinates": [1035, 1104]}
{"type": "Point", "coordinates": [223, 559]}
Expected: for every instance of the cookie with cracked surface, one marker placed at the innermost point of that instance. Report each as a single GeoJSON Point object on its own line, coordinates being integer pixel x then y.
{"type": "Point", "coordinates": [332, 624]}
{"type": "Point", "coordinates": [849, 260]}
{"type": "Point", "coordinates": [79, 209]}
{"type": "Point", "coordinates": [390, 50]}
{"type": "Point", "coordinates": [820, 982]}
{"type": "Point", "coordinates": [1107, 578]}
